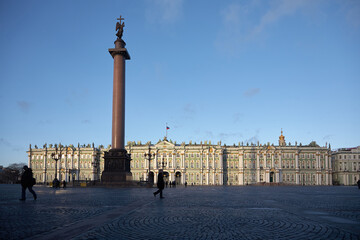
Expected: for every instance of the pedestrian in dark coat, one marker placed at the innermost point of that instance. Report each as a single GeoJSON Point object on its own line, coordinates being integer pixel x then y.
{"type": "Point", "coordinates": [27, 181]}
{"type": "Point", "coordinates": [358, 183]}
{"type": "Point", "coordinates": [160, 184]}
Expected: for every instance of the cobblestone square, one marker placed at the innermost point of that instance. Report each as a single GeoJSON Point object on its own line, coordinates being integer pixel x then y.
{"type": "Point", "coordinates": [221, 212]}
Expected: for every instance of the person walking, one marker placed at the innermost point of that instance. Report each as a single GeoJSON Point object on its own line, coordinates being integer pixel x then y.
{"type": "Point", "coordinates": [358, 183]}
{"type": "Point", "coordinates": [27, 181]}
{"type": "Point", "coordinates": [160, 184]}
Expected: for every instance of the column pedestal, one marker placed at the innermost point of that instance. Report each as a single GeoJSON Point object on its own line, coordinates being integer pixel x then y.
{"type": "Point", "coordinates": [117, 166]}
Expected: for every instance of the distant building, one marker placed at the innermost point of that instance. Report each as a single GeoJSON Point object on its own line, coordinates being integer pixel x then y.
{"type": "Point", "coordinates": [346, 166]}
{"type": "Point", "coordinates": [195, 163]}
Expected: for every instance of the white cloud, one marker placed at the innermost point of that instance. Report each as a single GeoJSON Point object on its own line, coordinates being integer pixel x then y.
{"type": "Point", "coordinates": [251, 92]}
{"type": "Point", "coordinates": [276, 12]}
{"type": "Point", "coordinates": [254, 139]}
{"type": "Point", "coordinates": [237, 117]}
{"type": "Point", "coordinates": [23, 105]}
{"type": "Point", "coordinates": [351, 10]}
{"type": "Point", "coordinates": [4, 142]}
{"type": "Point", "coordinates": [164, 11]}
{"type": "Point", "coordinates": [246, 21]}
{"type": "Point", "coordinates": [189, 109]}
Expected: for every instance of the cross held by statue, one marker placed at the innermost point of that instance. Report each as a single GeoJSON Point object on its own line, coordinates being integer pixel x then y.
{"type": "Point", "coordinates": [120, 19]}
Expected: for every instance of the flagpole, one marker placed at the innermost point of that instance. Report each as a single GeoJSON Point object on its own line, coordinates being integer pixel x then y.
{"type": "Point", "coordinates": [166, 130]}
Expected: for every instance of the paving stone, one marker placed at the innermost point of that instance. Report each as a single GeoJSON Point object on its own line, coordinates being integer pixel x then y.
{"type": "Point", "coordinates": [247, 212]}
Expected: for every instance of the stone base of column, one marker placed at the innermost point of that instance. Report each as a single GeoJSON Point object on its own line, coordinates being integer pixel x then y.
{"type": "Point", "coordinates": [116, 167]}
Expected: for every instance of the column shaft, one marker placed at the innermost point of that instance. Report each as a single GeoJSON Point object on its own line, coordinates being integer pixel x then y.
{"type": "Point", "coordinates": [118, 116]}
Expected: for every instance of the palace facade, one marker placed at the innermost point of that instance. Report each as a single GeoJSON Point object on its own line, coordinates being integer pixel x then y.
{"type": "Point", "coordinates": [347, 166]}
{"type": "Point", "coordinates": [195, 164]}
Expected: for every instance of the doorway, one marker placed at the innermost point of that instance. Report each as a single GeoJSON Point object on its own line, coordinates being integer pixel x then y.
{"type": "Point", "coordinates": [272, 177]}
{"type": "Point", "coordinates": [178, 178]}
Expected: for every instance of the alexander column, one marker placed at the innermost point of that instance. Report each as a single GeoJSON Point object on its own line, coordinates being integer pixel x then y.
{"type": "Point", "coordinates": [117, 160]}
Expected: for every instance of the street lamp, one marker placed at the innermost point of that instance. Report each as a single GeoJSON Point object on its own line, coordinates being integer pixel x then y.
{"type": "Point", "coordinates": [148, 156]}
{"type": "Point", "coordinates": [56, 156]}
{"type": "Point", "coordinates": [95, 165]}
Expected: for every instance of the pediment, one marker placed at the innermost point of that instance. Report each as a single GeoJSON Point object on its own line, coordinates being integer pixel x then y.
{"type": "Point", "coordinates": [164, 144]}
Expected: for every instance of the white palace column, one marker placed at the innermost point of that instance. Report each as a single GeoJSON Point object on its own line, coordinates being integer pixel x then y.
{"type": "Point", "coordinates": [183, 167]}
{"type": "Point", "coordinates": [207, 168]}
{"type": "Point", "coordinates": [155, 161]}
{"type": "Point", "coordinates": [318, 169]}
{"type": "Point", "coordinates": [241, 168]}
{"type": "Point", "coordinates": [213, 168]}
{"type": "Point", "coordinates": [330, 167]}
{"type": "Point", "coordinates": [66, 165]}
{"type": "Point", "coordinates": [72, 164]}
{"type": "Point", "coordinates": [173, 166]}
{"type": "Point", "coordinates": [258, 166]}
{"type": "Point", "coordinates": [167, 160]}
{"type": "Point", "coordinates": [201, 167]}
{"type": "Point", "coordinates": [267, 169]}
{"type": "Point", "coordinates": [221, 176]}
{"type": "Point", "coordinates": [173, 160]}
{"type": "Point", "coordinates": [78, 164]}
{"type": "Point", "coordinates": [45, 165]}
{"type": "Point", "coordinates": [94, 166]}
{"type": "Point", "coordinates": [146, 166]}
{"type": "Point", "coordinates": [156, 166]}
{"type": "Point", "coordinates": [297, 170]}
{"type": "Point", "coordinates": [276, 173]}
{"type": "Point", "coordinates": [326, 169]}
{"type": "Point", "coordinates": [280, 167]}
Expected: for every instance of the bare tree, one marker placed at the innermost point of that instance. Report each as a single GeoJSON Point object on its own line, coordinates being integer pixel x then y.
{"type": "Point", "coordinates": [12, 173]}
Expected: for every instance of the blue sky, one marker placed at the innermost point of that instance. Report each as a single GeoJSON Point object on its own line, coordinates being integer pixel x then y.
{"type": "Point", "coordinates": [230, 71]}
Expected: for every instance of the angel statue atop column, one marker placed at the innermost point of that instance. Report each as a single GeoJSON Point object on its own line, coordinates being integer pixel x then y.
{"type": "Point", "coordinates": [120, 28]}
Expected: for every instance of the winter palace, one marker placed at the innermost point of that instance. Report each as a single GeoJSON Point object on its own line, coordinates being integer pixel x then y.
{"type": "Point", "coordinates": [204, 163]}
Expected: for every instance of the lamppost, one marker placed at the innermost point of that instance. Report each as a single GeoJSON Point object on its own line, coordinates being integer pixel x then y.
{"type": "Point", "coordinates": [56, 156]}
{"type": "Point", "coordinates": [148, 156]}
{"type": "Point", "coordinates": [95, 165]}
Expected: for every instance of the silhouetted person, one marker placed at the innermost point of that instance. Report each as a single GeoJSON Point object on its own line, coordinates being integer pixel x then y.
{"type": "Point", "coordinates": [64, 184]}
{"type": "Point", "coordinates": [160, 184]}
{"type": "Point", "coordinates": [27, 181]}
{"type": "Point", "coordinates": [358, 183]}
{"type": "Point", "coordinates": [166, 183]}
{"type": "Point", "coordinates": [170, 184]}
{"type": "Point", "coordinates": [56, 183]}
{"type": "Point", "coordinates": [185, 184]}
